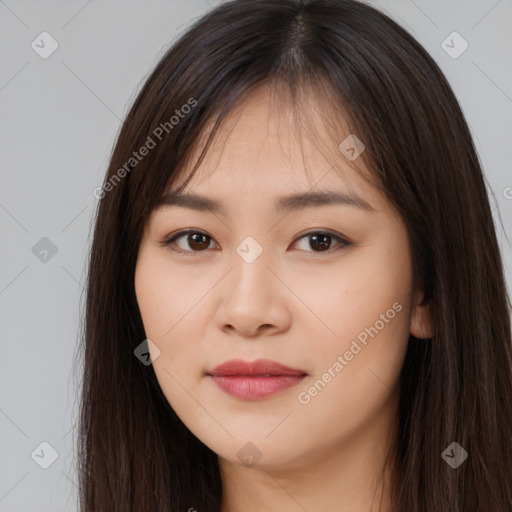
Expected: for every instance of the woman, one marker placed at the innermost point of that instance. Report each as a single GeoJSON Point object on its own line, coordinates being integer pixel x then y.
{"type": "Point", "coordinates": [296, 299]}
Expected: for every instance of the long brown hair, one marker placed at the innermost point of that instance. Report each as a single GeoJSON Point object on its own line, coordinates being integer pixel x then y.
{"type": "Point", "coordinates": [134, 452]}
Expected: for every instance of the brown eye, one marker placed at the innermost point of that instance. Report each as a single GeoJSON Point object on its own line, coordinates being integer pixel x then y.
{"type": "Point", "coordinates": [320, 241]}
{"type": "Point", "coordinates": [194, 241]}
{"type": "Point", "coordinates": [198, 241]}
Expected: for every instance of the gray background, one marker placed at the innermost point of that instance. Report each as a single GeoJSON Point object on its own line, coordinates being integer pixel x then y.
{"type": "Point", "coordinates": [58, 121]}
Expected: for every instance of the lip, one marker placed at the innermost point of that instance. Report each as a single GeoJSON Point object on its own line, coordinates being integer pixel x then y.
{"type": "Point", "coordinates": [255, 380]}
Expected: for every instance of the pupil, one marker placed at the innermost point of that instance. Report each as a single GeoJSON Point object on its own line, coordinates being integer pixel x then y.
{"type": "Point", "coordinates": [323, 243]}
{"type": "Point", "coordinates": [194, 243]}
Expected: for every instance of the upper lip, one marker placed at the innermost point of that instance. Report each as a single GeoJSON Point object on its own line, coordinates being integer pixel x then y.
{"type": "Point", "coordinates": [253, 368]}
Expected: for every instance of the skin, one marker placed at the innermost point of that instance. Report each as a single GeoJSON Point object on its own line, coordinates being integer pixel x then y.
{"type": "Point", "coordinates": [295, 304]}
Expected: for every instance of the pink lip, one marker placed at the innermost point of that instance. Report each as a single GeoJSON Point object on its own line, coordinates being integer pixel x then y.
{"type": "Point", "coordinates": [254, 380]}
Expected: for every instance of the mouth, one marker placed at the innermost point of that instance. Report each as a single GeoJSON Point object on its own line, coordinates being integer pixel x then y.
{"type": "Point", "coordinates": [255, 380]}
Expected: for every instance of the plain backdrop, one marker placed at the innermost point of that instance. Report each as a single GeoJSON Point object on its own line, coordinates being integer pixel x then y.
{"type": "Point", "coordinates": [59, 117]}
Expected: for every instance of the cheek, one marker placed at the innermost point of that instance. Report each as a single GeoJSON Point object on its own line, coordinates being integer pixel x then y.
{"type": "Point", "coordinates": [152, 297]}
{"type": "Point", "coordinates": [169, 306]}
{"type": "Point", "coordinates": [353, 294]}
{"type": "Point", "coordinates": [358, 373]}
{"type": "Point", "coordinates": [368, 309]}
{"type": "Point", "coordinates": [165, 298]}
{"type": "Point", "coordinates": [364, 306]}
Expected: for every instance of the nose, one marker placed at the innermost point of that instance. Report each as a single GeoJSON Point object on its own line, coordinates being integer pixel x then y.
{"type": "Point", "coordinates": [253, 300]}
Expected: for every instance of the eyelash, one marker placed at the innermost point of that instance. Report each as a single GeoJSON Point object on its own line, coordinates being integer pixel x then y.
{"type": "Point", "coordinates": [170, 240]}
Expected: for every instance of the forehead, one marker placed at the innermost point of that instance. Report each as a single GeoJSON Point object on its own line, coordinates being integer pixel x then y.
{"type": "Point", "coordinates": [268, 146]}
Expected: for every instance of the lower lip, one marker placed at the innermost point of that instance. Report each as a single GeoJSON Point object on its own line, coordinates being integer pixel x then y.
{"type": "Point", "coordinates": [257, 387]}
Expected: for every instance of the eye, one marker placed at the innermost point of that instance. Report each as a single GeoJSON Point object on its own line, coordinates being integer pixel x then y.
{"type": "Point", "coordinates": [323, 240]}
{"type": "Point", "coordinates": [198, 241]}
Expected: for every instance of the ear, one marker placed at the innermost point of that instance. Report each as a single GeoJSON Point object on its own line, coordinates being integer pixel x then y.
{"type": "Point", "coordinates": [421, 318]}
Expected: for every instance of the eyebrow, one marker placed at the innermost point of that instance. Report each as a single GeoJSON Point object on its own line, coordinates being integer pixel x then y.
{"type": "Point", "coordinates": [289, 203]}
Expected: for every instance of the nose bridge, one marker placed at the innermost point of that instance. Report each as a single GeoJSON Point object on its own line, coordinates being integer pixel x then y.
{"type": "Point", "coordinates": [250, 266]}
{"type": "Point", "coordinates": [252, 297]}
{"type": "Point", "coordinates": [249, 290]}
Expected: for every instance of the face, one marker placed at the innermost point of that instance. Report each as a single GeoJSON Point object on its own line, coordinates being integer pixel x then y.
{"type": "Point", "coordinates": [319, 295]}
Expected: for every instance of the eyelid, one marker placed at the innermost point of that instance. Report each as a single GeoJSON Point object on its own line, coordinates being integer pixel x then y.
{"type": "Point", "coordinates": [343, 241]}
